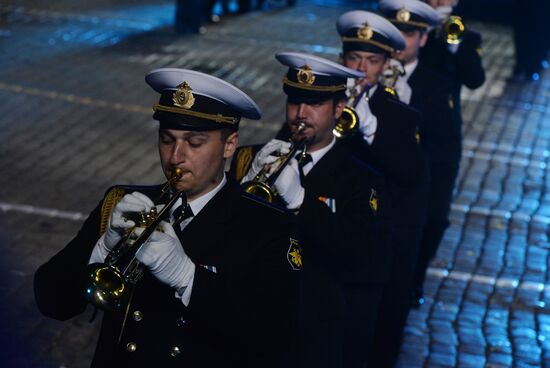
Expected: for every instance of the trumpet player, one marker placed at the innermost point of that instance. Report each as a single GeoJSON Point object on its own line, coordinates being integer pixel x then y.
{"type": "Point", "coordinates": [219, 281]}
{"type": "Point", "coordinates": [427, 92]}
{"type": "Point", "coordinates": [461, 60]}
{"type": "Point", "coordinates": [432, 83]}
{"type": "Point", "coordinates": [367, 38]}
{"type": "Point", "coordinates": [341, 211]}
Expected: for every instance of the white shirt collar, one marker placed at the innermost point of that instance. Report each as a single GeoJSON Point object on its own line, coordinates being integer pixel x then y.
{"type": "Point", "coordinates": [409, 69]}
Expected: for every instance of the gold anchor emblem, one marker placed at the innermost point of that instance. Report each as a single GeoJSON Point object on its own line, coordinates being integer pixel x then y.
{"type": "Point", "coordinates": [403, 15]}
{"type": "Point", "coordinates": [305, 75]}
{"type": "Point", "coordinates": [183, 97]}
{"type": "Point", "coordinates": [365, 32]}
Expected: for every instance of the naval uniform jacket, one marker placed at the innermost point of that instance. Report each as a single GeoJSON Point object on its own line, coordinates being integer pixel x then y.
{"type": "Point", "coordinates": [343, 217]}
{"type": "Point", "coordinates": [465, 67]}
{"type": "Point", "coordinates": [238, 316]}
{"type": "Point", "coordinates": [440, 133]}
{"type": "Point", "coordinates": [395, 151]}
{"type": "Point", "coordinates": [397, 154]}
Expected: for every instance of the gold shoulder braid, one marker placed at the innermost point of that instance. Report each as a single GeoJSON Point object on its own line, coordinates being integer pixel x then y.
{"type": "Point", "coordinates": [109, 202]}
{"type": "Point", "coordinates": [244, 159]}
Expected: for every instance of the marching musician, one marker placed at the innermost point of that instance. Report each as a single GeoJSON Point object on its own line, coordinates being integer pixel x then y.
{"type": "Point", "coordinates": [219, 286]}
{"type": "Point", "coordinates": [428, 92]}
{"type": "Point", "coordinates": [460, 61]}
{"type": "Point", "coordinates": [389, 137]}
{"type": "Point", "coordinates": [435, 94]}
{"type": "Point", "coordinates": [341, 213]}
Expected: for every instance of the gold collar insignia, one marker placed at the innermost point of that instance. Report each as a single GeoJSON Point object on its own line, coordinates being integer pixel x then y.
{"type": "Point", "coordinates": [403, 15]}
{"type": "Point", "coordinates": [183, 97]}
{"type": "Point", "coordinates": [305, 75]}
{"type": "Point", "coordinates": [365, 32]}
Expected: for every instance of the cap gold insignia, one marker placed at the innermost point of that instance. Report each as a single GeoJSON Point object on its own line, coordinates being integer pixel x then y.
{"type": "Point", "coordinates": [373, 201]}
{"type": "Point", "coordinates": [403, 15]}
{"type": "Point", "coordinates": [365, 32]}
{"type": "Point", "coordinates": [183, 97]}
{"type": "Point", "coordinates": [294, 254]}
{"type": "Point", "coordinates": [305, 75]}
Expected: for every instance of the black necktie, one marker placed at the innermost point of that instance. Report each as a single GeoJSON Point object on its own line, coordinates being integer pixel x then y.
{"type": "Point", "coordinates": [181, 213]}
{"type": "Point", "coordinates": [303, 160]}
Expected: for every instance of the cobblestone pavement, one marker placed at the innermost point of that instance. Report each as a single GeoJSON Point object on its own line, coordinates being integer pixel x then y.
{"type": "Point", "coordinates": [75, 118]}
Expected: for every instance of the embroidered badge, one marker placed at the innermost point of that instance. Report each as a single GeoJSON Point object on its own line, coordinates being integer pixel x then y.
{"type": "Point", "coordinates": [183, 97]}
{"type": "Point", "coordinates": [417, 135]}
{"type": "Point", "coordinates": [403, 15]}
{"type": "Point", "coordinates": [305, 75]}
{"type": "Point", "coordinates": [373, 201]}
{"type": "Point", "coordinates": [294, 255]}
{"type": "Point", "coordinates": [330, 202]}
{"type": "Point", "coordinates": [365, 32]}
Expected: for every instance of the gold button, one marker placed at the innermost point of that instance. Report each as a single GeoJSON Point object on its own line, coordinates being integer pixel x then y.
{"type": "Point", "coordinates": [175, 351]}
{"type": "Point", "coordinates": [131, 347]}
{"type": "Point", "coordinates": [181, 322]}
{"type": "Point", "coordinates": [138, 316]}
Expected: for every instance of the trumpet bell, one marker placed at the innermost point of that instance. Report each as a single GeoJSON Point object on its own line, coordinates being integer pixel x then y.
{"type": "Point", "coordinates": [454, 29]}
{"type": "Point", "coordinates": [391, 91]}
{"type": "Point", "coordinates": [105, 287]}
{"type": "Point", "coordinates": [347, 124]}
{"type": "Point", "coordinates": [259, 189]}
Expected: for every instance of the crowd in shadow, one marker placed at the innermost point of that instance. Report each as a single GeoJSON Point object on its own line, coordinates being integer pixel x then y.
{"type": "Point", "coordinates": [193, 15]}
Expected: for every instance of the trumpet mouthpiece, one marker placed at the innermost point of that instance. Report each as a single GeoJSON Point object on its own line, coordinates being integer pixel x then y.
{"type": "Point", "coordinates": [176, 173]}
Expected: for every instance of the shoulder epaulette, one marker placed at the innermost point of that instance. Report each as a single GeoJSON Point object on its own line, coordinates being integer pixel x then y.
{"type": "Point", "coordinates": [243, 161]}
{"type": "Point", "coordinates": [113, 196]}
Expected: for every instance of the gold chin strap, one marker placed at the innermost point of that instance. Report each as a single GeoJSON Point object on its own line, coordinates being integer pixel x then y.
{"type": "Point", "coordinates": [372, 42]}
{"type": "Point", "coordinates": [341, 87]}
{"type": "Point", "coordinates": [218, 118]}
{"type": "Point", "coordinates": [411, 23]}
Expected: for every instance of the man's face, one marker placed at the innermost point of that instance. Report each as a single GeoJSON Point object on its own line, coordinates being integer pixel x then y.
{"type": "Point", "coordinates": [318, 118]}
{"type": "Point", "coordinates": [199, 154]}
{"type": "Point", "coordinates": [437, 3]}
{"type": "Point", "coordinates": [367, 62]}
{"type": "Point", "coordinates": [414, 40]}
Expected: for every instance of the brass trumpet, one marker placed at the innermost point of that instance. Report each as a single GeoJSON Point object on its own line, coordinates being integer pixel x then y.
{"type": "Point", "coordinates": [108, 283]}
{"type": "Point", "coordinates": [391, 79]}
{"type": "Point", "coordinates": [262, 184]}
{"type": "Point", "coordinates": [453, 29]}
{"type": "Point", "coordinates": [348, 122]}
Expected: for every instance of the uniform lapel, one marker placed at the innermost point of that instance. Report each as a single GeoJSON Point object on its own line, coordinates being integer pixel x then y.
{"type": "Point", "coordinates": [205, 232]}
{"type": "Point", "coordinates": [320, 178]}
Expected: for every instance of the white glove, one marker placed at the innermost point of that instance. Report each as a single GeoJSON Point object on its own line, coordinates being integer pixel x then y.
{"type": "Point", "coordinates": [289, 187]}
{"type": "Point", "coordinates": [163, 254]}
{"type": "Point", "coordinates": [367, 121]}
{"type": "Point", "coordinates": [265, 157]}
{"type": "Point", "coordinates": [444, 11]}
{"type": "Point", "coordinates": [453, 47]}
{"type": "Point", "coordinates": [118, 225]}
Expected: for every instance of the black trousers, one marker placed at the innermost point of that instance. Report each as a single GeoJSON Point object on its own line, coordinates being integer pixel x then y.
{"type": "Point", "coordinates": [360, 322]}
{"type": "Point", "coordinates": [442, 181]}
{"type": "Point", "coordinates": [396, 299]}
